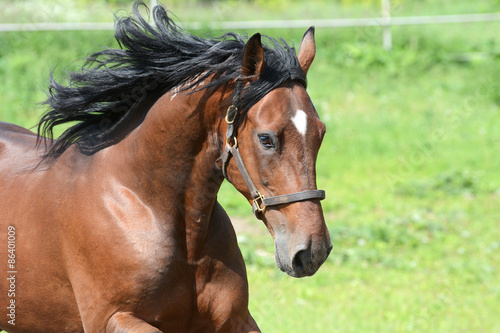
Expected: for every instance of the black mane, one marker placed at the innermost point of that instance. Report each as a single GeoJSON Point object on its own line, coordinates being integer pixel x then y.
{"type": "Point", "coordinates": [115, 85]}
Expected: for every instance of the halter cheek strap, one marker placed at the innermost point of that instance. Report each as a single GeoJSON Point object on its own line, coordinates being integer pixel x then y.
{"type": "Point", "coordinates": [259, 201]}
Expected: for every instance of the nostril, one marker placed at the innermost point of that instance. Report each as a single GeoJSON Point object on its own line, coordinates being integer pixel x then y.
{"type": "Point", "coordinates": [299, 262]}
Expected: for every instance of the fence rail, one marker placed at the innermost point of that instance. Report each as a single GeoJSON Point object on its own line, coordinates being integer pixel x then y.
{"type": "Point", "coordinates": [385, 22]}
{"type": "Point", "coordinates": [285, 24]}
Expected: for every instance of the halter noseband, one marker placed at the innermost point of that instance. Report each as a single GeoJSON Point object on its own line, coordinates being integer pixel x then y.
{"type": "Point", "coordinates": [259, 201]}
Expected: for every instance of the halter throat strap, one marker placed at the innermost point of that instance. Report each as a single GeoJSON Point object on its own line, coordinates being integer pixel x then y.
{"type": "Point", "coordinates": [259, 201]}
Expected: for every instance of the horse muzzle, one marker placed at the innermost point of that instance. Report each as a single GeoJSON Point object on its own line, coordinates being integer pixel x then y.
{"type": "Point", "coordinates": [304, 259]}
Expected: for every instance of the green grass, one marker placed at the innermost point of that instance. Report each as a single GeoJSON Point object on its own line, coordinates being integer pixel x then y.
{"type": "Point", "coordinates": [410, 165]}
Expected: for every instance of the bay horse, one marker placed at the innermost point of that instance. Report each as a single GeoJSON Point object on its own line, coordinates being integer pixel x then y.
{"type": "Point", "coordinates": [115, 226]}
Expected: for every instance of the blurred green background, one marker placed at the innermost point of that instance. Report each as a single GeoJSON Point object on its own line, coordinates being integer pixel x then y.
{"type": "Point", "coordinates": [410, 162]}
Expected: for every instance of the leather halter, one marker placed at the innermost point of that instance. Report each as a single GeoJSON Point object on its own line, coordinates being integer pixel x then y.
{"type": "Point", "coordinates": [259, 201]}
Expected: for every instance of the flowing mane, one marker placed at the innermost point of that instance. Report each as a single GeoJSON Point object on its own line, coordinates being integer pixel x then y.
{"type": "Point", "coordinates": [115, 86]}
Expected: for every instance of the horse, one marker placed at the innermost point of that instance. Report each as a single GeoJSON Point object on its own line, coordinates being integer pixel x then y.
{"type": "Point", "coordinates": [115, 226]}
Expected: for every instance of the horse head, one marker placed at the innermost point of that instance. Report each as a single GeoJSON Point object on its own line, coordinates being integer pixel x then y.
{"type": "Point", "coordinates": [271, 159]}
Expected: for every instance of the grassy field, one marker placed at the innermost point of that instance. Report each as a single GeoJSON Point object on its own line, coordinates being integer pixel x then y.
{"type": "Point", "coordinates": [410, 165]}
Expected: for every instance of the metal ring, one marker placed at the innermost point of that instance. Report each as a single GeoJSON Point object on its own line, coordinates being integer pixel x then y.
{"type": "Point", "coordinates": [235, 145]}
{"type": "Point", "coordinates": [229, 109]}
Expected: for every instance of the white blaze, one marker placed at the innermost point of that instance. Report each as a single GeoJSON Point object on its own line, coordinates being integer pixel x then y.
{"type": "Point", "coordinates": [300, 121]}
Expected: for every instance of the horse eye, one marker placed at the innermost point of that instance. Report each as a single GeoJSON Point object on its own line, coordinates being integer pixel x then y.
{"type": "Point", "coordinates": [265, 141]}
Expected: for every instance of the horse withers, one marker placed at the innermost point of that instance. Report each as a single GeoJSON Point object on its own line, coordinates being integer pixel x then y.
{"type": "Point", "coordinates": [115, 226]}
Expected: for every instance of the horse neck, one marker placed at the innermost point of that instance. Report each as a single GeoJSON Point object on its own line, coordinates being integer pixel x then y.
{"type": "Point", "coordinates": [171, 157]}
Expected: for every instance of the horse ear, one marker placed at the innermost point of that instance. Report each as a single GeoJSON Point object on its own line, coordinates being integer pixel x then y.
{"type": "Point", "coordinates": [307, 50]}
{"type": "Point", "coordinates": [253, 57]}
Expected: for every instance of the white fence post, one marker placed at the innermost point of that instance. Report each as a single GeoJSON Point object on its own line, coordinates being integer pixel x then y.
{"type": "Point", "coordinates": [153, 3]}
{"type": "Point", "coordinates": [386, 22]}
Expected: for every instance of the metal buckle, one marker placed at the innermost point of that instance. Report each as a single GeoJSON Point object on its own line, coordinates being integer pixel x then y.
{"type": "Point", "coordinates": [256, 202]}
{"type": "Point", "coordinates": [229, 109]}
